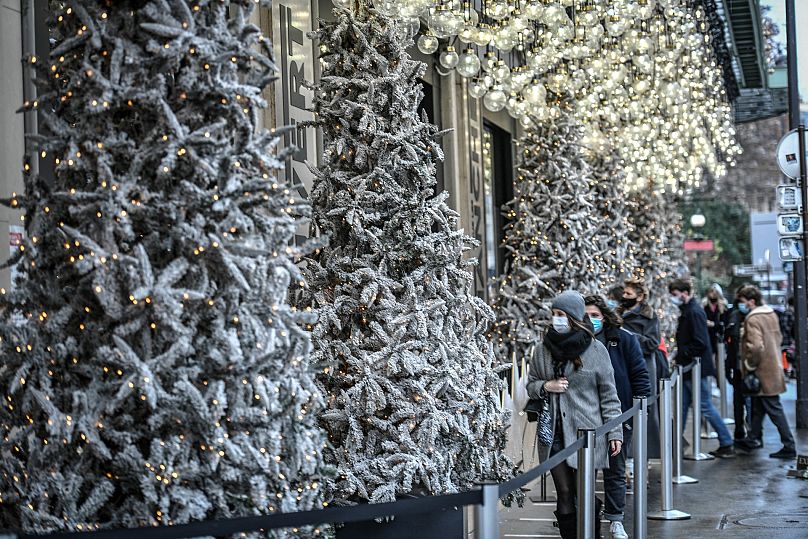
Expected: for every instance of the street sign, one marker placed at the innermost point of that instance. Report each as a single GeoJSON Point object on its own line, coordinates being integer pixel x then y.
{"type": "Point", "coordinates": [699, 245]}
{"type": "Point", "coordinates": [789, 198]}
{"type": "Point", "coordinates": [747, 270]}
{"type": "Point", "coordinates": [791, 249]}
{"type": "Point", "coordinates": [789, 224]}
{"type": "Point", "coordinates": [788, 155]}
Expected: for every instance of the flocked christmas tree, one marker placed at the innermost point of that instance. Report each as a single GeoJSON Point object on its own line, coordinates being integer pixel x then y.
{"type": "Point", "coordinates": [657, 238]}
{"type": "Point", "coordinates": [555, 239]}
{"type": "Point", "coordinates": [611, 226]}
{"type": "Point", "coordinates": [153, 372]}
{"type": "Point", "coordinates": [413, 396]}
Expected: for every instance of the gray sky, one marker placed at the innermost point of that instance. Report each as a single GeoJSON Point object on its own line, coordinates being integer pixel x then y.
{"type": "Point", "coordinates": [778, 14]}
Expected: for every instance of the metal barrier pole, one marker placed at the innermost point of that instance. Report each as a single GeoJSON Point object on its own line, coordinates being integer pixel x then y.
{"type": "Point", "coordinates": [641, 469]}
{"type": "Point", "coordinates": [695, 394]}
{"type": "Point", "coordinates": [486, 519]}
{"type": "Point", "coordinates": [665, 434]}
{"type": "Point", "coordinates": [722, 384]}
{"type": "Point", "coordinates": [586, 485]}
{"type": "Point", "coordinates": [678, 430]}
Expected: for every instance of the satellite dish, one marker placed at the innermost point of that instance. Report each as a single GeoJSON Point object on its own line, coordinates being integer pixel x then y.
{"type": "Point", "coordinates": [788, 150]}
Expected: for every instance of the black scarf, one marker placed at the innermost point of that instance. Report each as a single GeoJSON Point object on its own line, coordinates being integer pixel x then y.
{"type": "Point", "coordinates": [567, 346]}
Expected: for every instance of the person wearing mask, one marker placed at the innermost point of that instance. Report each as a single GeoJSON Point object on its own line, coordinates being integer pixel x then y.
{"type": "Point", "coordinates": [573, 369]}
{"type": "Point", "coordinates": [631, 380]}
{"type": "Point", "coordinates": [760, 354]}
{"type": "Point", "coordinates": [741, 405]}
{"type": "Point", "coordinates": [614, 297]}
{"type": "Point", "coordinates": [715, 308]}
{"type": "Point", "coordinates": [641, 320]}
{"type": "Point", "coordinates": [693, 341]}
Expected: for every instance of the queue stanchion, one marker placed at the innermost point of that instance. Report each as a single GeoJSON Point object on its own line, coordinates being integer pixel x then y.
{"type": "Point", "coordinates": [678, 430]}
{"type": "Point", "coordinates": [641, 469]}
{"type": "Point", "coordinates": [666, 512]}
{"type": "Point", "coordinates": [486, 518]}
{"type": "Point", "coordinates": [586, 486]}
{"type": "Point", "coordinates": [695, 397]}
{"type": "Point", "coordinates": [722, 384]}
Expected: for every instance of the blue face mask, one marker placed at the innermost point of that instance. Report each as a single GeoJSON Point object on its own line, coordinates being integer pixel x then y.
{"type": "Point", "coordinates": [677, 301]}
{"type": "Point", "coordinates": [612, 304]}
{"type": "Point", "coordinates": [743, 308]}
{"type": "Point", "coordinates": [597, 323]}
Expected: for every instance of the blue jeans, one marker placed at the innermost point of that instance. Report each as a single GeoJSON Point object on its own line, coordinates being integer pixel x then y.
{"type": "Point", "coordinates": [614, 482]}
{"type": "Point", "coordinates": [707, 410]}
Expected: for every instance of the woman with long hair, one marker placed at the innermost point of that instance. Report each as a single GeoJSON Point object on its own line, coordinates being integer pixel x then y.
{"type": "Point", "coordinates": [631, 380]}
{"type": "Point", "coordinates": [573, 369]}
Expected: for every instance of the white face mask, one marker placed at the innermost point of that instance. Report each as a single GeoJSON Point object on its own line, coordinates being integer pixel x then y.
{"type": "Point", "coordinates": [561, 324]}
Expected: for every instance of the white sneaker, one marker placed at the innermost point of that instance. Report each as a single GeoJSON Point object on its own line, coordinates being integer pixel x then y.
{"type": "Point", "coordinates": [617, 531]}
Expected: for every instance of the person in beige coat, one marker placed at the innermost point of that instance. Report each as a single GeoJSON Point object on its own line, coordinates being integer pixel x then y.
{"type": "Point", "coordinates": [574, 370]}
{"type": "Point", "coordinates": [760, 352]}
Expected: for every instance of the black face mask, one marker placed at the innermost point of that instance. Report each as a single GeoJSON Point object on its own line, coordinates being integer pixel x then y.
{"type": "Point", "coordinates": [713, 300]}
{"type": "Point", "coordinates": [628, 303]}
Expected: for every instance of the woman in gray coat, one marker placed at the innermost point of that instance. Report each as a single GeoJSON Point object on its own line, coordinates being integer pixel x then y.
{"type": "Point", "coordinates": [574, 370]}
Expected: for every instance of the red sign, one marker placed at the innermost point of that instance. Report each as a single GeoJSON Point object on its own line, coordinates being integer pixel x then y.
{"type": "Point", "coordinates": [699, 245]}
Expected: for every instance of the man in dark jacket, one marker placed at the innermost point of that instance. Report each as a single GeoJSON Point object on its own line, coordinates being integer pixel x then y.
{"type": "Point", "coordinates": [741, 404]}
{"type": "Point", "coordinates": [639, 318]}
{"type": "Point", "coordinates": [631, 380]}
{"type": "Point", "coordinates": [693, 341]}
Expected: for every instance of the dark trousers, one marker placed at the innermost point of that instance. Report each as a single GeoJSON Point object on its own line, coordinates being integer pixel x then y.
{"type": "Point", "coordinates": [741, 405]}
{"type": "Point", "coordinates": [771, 406]}
{"type": "Point", "coordinates": [614, 482]}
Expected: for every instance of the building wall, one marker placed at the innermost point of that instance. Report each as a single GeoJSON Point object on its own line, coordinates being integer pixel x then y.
{"type": "Point", "coordinates": [11, 98]}
{"type": "Point", "coordinates": [754, 179]}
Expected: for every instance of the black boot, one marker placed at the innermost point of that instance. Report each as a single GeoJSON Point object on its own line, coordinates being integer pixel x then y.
{"type": "Point", "coordinates": [567, 525]}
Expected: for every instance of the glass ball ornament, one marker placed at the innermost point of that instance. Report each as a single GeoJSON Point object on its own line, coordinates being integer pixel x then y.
{"type": "Point", "coordinates": [469, 64]}
{"type": "Point", "coordinates": [342, 3]}
{"type": "Point", "coordinates": [484, 35]}
{"type": "Point", "coordinates": [428, 44]}
{"type": "Point", "coordinates": [495, 99]}
{"type": "Point", "coordinates": [449, 58]}
{"type": "Point", "coordinates": [536, 93]}
{"type": "Point", "coordinates": [478, 88]}
{"type": "Point", "coordinates": [534, 10]}
{"type": "Point", "coordinates": [501, 71]}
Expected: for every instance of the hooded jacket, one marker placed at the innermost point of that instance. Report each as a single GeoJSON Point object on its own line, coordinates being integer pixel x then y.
{"type": "Point", "coordinates": [630, 372]}
{"type": "Point", "coordinates": [644, 324]}
{"type": "Point", "coordinates": [760, 350]}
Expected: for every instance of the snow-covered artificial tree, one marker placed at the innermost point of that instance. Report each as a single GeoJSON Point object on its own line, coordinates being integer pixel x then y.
{"type": "Point", "coordinates": [153, 371]}
{"type": "Point", "coordinates": [611, 226]}
{"type": "Point", "coordinates": [413, 402]}
{"type": "Point", "coordinates": [658, 246]}
{"type": "Point", "coordinates": [555, 239]}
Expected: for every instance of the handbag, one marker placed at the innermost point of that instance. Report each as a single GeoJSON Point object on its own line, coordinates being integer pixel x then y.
{"type": "Point", "coordinates": [538, 411]}
{"type": "Point", "coordinates": [751, 384]}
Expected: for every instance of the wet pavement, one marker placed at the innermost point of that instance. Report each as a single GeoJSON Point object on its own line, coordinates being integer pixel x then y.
{"type": "Point", "coordinates": [749, 496]}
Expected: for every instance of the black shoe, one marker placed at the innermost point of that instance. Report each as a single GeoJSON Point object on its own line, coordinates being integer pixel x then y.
{"type": "Point", "coordinates": [784, 454]}
{"type": "Point", "coordinates": [749, 444]}
{"type": "Point", "coordinates": [724, 452]}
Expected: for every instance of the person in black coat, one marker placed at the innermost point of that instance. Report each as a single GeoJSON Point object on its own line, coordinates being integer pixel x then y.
{"type": "Point", "coordinates": [693, 341]}
{"type": "Point", "coordinates": [640, 319]}
{"type": "Point", "coordinates": [631, 380]}
{"type": "Point", "coordinates": [741, 404]}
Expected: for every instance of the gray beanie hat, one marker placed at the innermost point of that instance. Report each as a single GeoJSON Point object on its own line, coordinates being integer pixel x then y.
{"type": "Point", "coordinates": [718, 289]}
{"type": "Point", "coordinates": [572, 303]}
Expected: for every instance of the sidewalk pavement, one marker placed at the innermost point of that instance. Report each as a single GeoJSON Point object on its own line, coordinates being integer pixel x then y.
{"type": "Point", "coordinates": [746, 497]}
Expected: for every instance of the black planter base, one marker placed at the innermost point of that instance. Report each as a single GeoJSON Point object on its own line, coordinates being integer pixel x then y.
{"type": "Point", "coordinates": [446, 524]}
